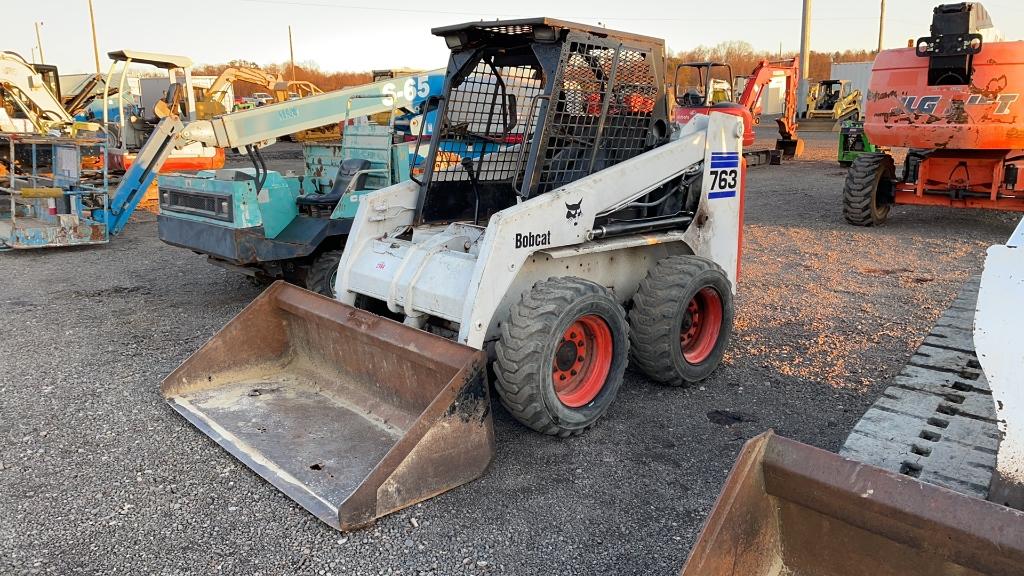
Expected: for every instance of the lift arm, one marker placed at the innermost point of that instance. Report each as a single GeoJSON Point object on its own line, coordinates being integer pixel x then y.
{"type": "Point", "coordinates": [257, 126]}
{"type": "Point", "coordinates": [265, 123]}
{"type": "Point", "coordinates": [143, 170]}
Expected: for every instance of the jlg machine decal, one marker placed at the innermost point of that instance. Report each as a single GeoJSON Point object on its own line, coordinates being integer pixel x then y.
{"type": "Point", "coordinates": [929, 104]}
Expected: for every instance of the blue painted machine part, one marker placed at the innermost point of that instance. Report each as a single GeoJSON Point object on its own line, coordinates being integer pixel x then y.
{"type": "Point", "coordinates": [130, 192]}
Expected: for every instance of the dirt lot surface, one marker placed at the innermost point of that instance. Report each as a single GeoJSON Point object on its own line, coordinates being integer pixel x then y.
{"type": "Point", "coordinates": [99, 476]}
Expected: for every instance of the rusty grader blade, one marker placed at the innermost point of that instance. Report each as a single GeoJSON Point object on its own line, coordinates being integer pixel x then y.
{"type": "Point", "coordinates": [791, 509]}
{"type": "Point", "coordinates": [352, 415]}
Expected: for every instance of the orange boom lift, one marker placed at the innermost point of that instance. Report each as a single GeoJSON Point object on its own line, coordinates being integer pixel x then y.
{"type": "Point", "coordinates": [954, 101]}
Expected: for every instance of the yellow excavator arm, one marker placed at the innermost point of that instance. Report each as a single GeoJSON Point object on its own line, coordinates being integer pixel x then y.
{"type": "Point", "coordinates": [213, 101]}
{"type": "Point", "coordinates": [29, 97]}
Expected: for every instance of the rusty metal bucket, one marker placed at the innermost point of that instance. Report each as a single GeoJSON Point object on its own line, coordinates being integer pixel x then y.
{"type": "Point", "coordinates": [791, 509]}
{"type": "Point", "coordinates": [352, 415]}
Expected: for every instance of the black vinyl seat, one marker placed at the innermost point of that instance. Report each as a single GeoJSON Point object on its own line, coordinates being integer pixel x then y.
{"type": "Point", "coordinates": [351, 176]}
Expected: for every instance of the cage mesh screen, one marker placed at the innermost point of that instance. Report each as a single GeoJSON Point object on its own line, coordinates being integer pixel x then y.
{"type": "Point", "coordinates": [597, 82]}
{"type": "Point", "coordinates": [479, 125]}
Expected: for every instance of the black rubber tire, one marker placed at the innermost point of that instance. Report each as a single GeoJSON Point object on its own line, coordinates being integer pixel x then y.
{"type": "Point", "coordinates": [526, 349]}
{"type": "Point", "coordinates": [659, 309]}
{"type": "Point", "coordinates": [260, 282]}
{"type": "Point", "coordinates": [321, 274]}
{"type": "Point", "coordinates": [869, 189]}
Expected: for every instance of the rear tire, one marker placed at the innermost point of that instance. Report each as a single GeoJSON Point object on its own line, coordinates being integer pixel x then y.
{"type": "Point", "coordinates": [561, 355]}
{"type": "Point", "coordinates": [323, 271]}
{"type": "Point", "coordinates": [869, 190]}
{"type": "Point", "coordinates": [681, 320]}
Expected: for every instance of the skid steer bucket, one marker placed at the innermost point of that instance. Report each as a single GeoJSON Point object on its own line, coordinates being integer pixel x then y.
{"type": "Point", "coordinates": [818, 125]}
{"type": "Point", "coordinates": [352, 415]}
{"type": "Point", "coordinates": [791, 509]}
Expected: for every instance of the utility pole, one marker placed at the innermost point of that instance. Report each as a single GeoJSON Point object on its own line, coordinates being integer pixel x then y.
{"type": "Point", "coordinates": [881, 26]}
{"type": "Point", "coordinates": [805, 56]}
{"type": "Point", "coordinates": [291, 51]}
{"type": "Point", "coordinates": [95, 46]}
{"type": "Point", "coordinates": [39, 42]}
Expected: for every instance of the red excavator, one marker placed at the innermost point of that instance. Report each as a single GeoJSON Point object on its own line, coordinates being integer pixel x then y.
{"type": "Point", "coordinates": [954, 100]}
{"type": "Point", "coordinates": [703, 87]}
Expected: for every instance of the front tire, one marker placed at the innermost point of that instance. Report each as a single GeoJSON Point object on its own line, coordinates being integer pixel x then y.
{"type": "Point", "coordinates": [323, 271]}
{"type": "Point", "coordinates": [561, 355]}
{"type": "Point", "coordinates": [869, 191]}
{"type": "Point", "coordinates": [681, 320]}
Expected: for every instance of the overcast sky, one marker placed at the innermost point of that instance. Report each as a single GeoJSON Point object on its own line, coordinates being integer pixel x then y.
{"type": "Point", "coordinates": [365, 34]}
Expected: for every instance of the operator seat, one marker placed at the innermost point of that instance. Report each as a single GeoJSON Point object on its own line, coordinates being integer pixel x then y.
{"type": "Point", "coordinates": [692, 98]}
{"type": "Point", "coordinates": [171, 103]}
{"type": "Point", "coordinates": [351, 176]}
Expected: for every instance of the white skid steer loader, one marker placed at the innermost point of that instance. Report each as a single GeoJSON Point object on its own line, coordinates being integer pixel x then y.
{"type": "Point", "coordinates": [556, 196]}
{"type": "Point", "coordinates": [538, 247]}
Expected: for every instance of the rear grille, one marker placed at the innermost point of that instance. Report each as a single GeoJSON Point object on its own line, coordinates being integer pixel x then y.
{"type": "Point", "coordinates": [215, 206]}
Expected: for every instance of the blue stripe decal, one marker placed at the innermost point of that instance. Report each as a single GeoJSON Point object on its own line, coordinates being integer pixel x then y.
{"type": "Point", "coordinates": [725, 164]}
{"type": "Point", "coordinates": [725, 154]}
{"type": "Point", "coordinates": [721, 194]}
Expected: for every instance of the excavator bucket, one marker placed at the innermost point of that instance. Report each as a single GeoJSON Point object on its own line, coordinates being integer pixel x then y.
{"type": "Point", "coordinates": [791, 509]}
{"type": "Point", "coordinates": [351, 415]}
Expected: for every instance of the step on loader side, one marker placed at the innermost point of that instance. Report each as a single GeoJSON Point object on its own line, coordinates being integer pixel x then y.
{"type": "Point", "coordinates": [352, 415]}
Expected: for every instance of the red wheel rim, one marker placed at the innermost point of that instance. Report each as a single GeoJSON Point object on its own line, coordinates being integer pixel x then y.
{"type": "Point", "coordinates": [701, 325]}
{"type": "Point", "coordinates": [583, 358]}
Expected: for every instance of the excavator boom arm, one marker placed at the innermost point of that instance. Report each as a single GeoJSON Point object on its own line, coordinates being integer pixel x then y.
{"type": "Point", "coordinates": [16, 73]}
{"type": "Point", "coordinates": [250, 75]}
{"type": "Point", "coordinates": [759, 80]}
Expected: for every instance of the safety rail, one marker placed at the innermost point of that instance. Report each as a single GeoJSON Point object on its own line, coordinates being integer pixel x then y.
{"type": "Point", "coordinates": [47, 198]}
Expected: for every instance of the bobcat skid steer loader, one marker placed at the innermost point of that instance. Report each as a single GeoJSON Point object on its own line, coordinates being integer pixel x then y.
{"type": "Point", "coordinates": [556, 197]}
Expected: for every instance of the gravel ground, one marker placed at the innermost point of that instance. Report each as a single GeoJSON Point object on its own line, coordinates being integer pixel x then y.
{"type": "Point", "coordinates": [99, 476]}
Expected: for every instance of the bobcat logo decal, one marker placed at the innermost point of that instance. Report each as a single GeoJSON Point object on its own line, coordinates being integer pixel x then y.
{"type": "Point", "coordinates": [573, 212]}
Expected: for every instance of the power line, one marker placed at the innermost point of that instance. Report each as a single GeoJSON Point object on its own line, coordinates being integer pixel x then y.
{"type": "Point", "coordinates": [510, 15]}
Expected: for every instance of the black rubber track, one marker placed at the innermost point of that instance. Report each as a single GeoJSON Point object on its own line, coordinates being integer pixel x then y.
{"type": "Point", "coordinates": [656, 319]}
{"type": "Point", "coordinates": [861, 190]}
{"type": "Point", "coordinates": [525, 349]}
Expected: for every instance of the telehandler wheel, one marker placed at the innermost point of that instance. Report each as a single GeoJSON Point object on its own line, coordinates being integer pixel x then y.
{"type": "Point", "coordinates": [870, 189]}
{"type": "Point", "coordinates": [561, 355]}
{"type": "Point", "coordinates": [322, 272]}
{"type": "Point", "coordinates": [681, 320]}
